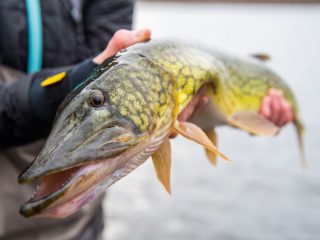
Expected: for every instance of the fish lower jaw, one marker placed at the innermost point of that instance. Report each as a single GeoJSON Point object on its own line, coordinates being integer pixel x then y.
{"type": "Point", "coordinates": [61, 194]}
{"type": "Point", "coordinates": [67, 208]}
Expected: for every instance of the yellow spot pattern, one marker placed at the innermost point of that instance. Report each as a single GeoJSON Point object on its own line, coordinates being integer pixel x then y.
{"type": "Point", "coordinates": [161, 79]}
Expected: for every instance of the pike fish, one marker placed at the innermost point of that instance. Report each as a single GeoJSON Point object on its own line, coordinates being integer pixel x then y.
{"type": "Point", "coordinates": [126, 110]}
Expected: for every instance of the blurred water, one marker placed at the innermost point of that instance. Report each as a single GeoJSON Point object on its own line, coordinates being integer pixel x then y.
{"type": "Point", "coordinates": [263, 193]}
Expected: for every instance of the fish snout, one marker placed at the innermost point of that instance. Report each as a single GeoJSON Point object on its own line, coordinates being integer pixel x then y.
{"type": "Point", "coordinates": [67, 148]}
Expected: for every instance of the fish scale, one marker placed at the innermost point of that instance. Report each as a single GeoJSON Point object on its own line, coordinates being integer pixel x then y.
{"type": "Point", "coordinates": [127, 109]}
{"type": "Point", "coordinates": [165, 76]}
{"type": "Point", "coordinates": [239, 83]}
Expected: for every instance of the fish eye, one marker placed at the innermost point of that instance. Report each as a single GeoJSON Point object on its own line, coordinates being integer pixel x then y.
{"type": "Point", "coordinates": [96, 98]}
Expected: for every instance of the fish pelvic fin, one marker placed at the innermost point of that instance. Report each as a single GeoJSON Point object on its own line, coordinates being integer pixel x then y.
{"type": "Point", "coordinates": [300, 132]}
{"type": "Point", "coordinates": [211, 134]}
{"type": "Point", "coordinates": [162, 164]}
{"type": "Point", "coordinates": [254, 123]}
{"type": "Point", "coordinates": [196, 134]}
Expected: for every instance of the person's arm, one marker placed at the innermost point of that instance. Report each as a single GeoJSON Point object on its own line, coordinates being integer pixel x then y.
{"type": "Point", "coordinates": [27, 109]}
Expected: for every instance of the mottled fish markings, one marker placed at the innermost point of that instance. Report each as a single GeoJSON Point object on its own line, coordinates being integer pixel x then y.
{"type": "Point", "coordinates": [126, 110]}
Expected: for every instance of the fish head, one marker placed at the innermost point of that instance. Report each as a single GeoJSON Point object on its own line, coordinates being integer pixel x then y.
{"type": "Point", "coordinates": [91, 146]}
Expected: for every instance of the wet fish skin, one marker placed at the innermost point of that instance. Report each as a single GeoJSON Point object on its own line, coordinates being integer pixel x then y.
{"type": "Point", "coordinates": [144, 87]}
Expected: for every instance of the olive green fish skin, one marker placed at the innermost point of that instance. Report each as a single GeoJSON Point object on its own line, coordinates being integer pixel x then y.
{"type": "Point", "coordinates": [144, 88]}
{"type": "Point", "coordinates": [150, 82]}
{"type": "Point", "coordinates": [246, 83]}
{"type": "Point", "coordinates": [177, 70]}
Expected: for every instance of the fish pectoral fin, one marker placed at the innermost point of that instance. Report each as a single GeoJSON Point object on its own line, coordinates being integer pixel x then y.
{"type": "Point", "coordinates": [254, 123]}
{"type": "Point", "coordinates": [211, 134]}
{"type": "Point", "coordinates": [196, 134]}
{"type": "Point", "coordinates": [162, 164]}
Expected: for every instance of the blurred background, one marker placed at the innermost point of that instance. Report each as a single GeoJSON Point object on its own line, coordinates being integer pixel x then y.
{"type": "Point", "coordinates": [263, 193]}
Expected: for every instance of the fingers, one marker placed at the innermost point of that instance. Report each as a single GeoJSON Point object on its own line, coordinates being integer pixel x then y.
{"type": "Point", "coordinates": [275, 108]}
{"type": "Point", "coordinates": [121, 40]}
{"type": "Point", "coordinates": [265, 109]}
{"type": "Point", "coordinates": [287, 115]}
{"type": "Point", "coordinates": [125, 38]}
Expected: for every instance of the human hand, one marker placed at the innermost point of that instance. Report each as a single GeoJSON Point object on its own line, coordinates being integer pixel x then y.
{"type": "Point", "coordinates": [121, 40]}
{"type": "Point", "coordinates": [275, 108]}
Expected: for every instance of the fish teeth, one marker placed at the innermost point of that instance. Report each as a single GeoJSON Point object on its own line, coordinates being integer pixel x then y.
{"type": "Point", "coordinates": [35, 191]}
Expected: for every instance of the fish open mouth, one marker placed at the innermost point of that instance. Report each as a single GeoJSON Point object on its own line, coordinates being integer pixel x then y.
{"type": "Point", "coordinates": [68, 179]}
{"type": "Point", "coordinates": [62, 193]}
{"type": "Point", "coordinates": [53, 182]}
{"type": "Point", "coordinates": [59, 194]}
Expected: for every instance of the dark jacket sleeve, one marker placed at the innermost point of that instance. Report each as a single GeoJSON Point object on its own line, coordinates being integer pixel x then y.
{"type": "Point", "coordinates": [100, 20]}
{"type": "Point", "coordinates": [27, 110]}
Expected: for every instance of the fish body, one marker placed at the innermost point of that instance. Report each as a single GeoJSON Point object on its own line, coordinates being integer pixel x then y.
{"type": "Point", "coordinates": [128, 107]}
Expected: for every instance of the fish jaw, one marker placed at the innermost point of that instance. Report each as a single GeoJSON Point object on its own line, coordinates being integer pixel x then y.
{"type": "Point", "coordinates": [62, 193]}
{"type": "Point", "coordinates": [71, 175]}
